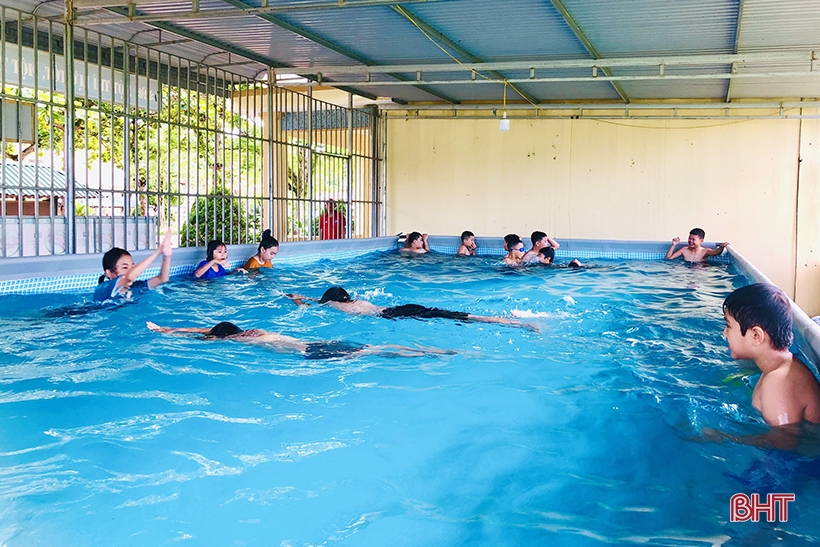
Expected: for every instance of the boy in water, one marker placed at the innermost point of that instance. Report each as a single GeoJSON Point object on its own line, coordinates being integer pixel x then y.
{"type": "Point", "coordinates": [468, 246]}
{"type": "Point", "coordinates": [339, 299]}
{"type": "Point", "coordinates": [540, 240]}
{"type": "Point", "coordinates": [694, 252]}
{"type": "Point", "coordinates": [515, 250]}
{"type": "Point", "coordinates": [759, 328]}
{"type": "Point", "coordinates": [547, 256]}
{"type": "Point", "coordinates": [416, 243]}
{"type": "Point", "coordinates": [332, 349]}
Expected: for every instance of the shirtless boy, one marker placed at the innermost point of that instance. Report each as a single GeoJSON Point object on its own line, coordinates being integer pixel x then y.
{"type": "Point", "coordinates": [694, 252]}
{"type": "Point", "coordinates": [416, 243]}
{"type": "Point", "coordinates": [547, 256]}
{"type": "Point", "coordinates": [310, 350]}
{"type": "Point", "coordinates": [515, 250]}
{"type": "Point", "coordinates": [539, 240]}
{"type": "Point", "coordinates": [468, 246]}
{"type": "Point", "coordinates": [339, 299]}
{"type": "Point", "coordinates": [759, 328]}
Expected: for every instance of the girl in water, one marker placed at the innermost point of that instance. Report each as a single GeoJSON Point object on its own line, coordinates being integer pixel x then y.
{"type": "Point", "coordinates": [268, 248]}
{"type": "Point", "coordinates": [215, 263]}
{"type": "Point", "coordinates": [120, 277]}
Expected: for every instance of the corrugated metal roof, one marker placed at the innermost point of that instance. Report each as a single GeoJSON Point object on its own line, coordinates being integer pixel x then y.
{"type": "Point", "coordinates": [645, 27]}
{"type": "Point", "coordinates": [36, 180]}
{"type": "Point", "coordinates": [490, 30]}
{"type": "Point", "coordinates": [779, 24]}
{"type": "Point", "coordinates": [509, 30]}
{"type": "Point", "coordinates": [378, 33]}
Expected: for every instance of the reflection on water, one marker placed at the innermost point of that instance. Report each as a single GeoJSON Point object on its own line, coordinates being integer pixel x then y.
{"type": "Point", "coordinates": [579, 434]}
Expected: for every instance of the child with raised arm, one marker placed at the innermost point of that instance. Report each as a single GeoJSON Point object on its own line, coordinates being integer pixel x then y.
{"type": "Point", "coordinates": [120, 277]}
{"type": "Point", "coordinates": [416, 243]}
{"type": "Point", "coordinates": [468, 246]}
{"type": "Point", "coordinates": [539, 240]}
{"type": "Point", "coordinates": [693, 252]}
{"type": "Point", "coordinates": [268, 248]}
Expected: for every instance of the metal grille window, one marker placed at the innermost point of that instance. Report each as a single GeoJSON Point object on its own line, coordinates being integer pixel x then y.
{"type": "Point", "coordinates": [155, 140]}
{"type": "Point", "coordinates": [328, 186]}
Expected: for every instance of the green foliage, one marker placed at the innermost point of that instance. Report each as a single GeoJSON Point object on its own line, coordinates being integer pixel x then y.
{"type": "Point", "coordinates": [194, 142]}
{"type": "Point", "coordinates": [221, 216]}
{"type": "Point", "coordinates": [329, 169]}
{"type": "Point", "coordinates": [328, 166]}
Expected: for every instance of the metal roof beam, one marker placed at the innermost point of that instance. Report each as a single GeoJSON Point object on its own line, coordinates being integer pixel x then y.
{"type": "Point", "coordinates": [622, 62]}
{"type": "Point", "coordinates": [593, 78]}
{"type": "Point", "coordinates": [334, 47]}
{"type": "Point", "coordinates": [579, 33]}
{"type": "Point", "coordinates": [242, 52]}
{"type": "Point", "coordinates": [735, 46]}
{"type": "Point", "coordinates": [773, 105]}
{"type": "Point", "coordinates": [455, 47]}
{"type": "Point", "coordinates": [279, 7]}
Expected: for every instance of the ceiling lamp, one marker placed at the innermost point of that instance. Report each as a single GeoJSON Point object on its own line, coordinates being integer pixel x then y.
{"type": "Point", "coordinates": [504, 124]}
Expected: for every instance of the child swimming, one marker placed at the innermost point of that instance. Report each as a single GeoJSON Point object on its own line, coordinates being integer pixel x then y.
{"type": "Point", "coordinates": [339, 299]}
{"type": "Point", "coordinates": [310, 350]}
{"type": "Point", "coordinates": [120, 277]}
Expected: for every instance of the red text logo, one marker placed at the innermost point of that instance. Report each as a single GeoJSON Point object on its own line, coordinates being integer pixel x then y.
{"type": "Point", "coordinates": [744, 508]}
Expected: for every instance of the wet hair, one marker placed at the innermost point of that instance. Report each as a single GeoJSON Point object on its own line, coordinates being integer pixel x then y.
{"type": "Point", "coordinates": [537, 236]}
{"type": "Point", "coordinates": [765, 306]}
{"type": "Point", "coordinates": [267, 241]}
{"type": "Point", "coordinates": [465, 234]}
{"type": "Point", "coordinates": [212, 246]}
{"type": "Point", "coordinates": [223, 330]}
{"type": "Point", "coordinates": [110, 260]}
{"type": "Point", "coordinates": [697, 232]}
{"type": "Point", "coordinates": [548, 252]}
{"type": "Point", "coordinates": [335, 294]}
{"type": "Point", "coordinates": [511, 240]}
{"type": "Point", "coordinates": [411, 237]}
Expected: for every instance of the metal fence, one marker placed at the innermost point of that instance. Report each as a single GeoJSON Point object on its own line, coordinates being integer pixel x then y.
{"type": "Point", "coordinates": [156, 141]}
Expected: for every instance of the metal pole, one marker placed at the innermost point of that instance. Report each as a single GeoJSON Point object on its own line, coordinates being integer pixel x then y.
{"type": "Point", "coordinates": [71, 236]}
{"type": "Point", "coordinates": [374, 152]}
{"type": "Point", "coordinates": [383, 181]}
{"type": "Point", "coordinates": [126, 104]}
{"type": "Point", "coordinates": [271, 117]}
{"type": "Point", "coordinates": [310, 161]}
{"type": "Point", "coordinates": [349, 220]}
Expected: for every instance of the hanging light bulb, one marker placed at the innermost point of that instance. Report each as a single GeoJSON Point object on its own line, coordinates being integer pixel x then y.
{"type": "Point", "coordinates": [504, 124]}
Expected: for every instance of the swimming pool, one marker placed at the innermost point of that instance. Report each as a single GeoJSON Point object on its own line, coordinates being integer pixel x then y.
{"type": "Point", "coordinates": [577, 435]}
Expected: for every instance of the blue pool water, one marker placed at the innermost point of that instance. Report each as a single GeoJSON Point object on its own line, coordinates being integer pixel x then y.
{"type": "Point", "coordinates": [581, 434]}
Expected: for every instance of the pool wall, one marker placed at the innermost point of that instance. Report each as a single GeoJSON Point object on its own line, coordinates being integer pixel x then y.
{"type": "Point", "coordinates": [80, 272]}
{"type": "Point", "coordinates": [69, 273]}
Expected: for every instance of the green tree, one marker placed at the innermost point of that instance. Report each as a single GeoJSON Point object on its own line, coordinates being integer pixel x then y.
{"type": "Point", "coordinates": [221, 216]}
{"type": "Point", "coordinates": [192, 144]}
